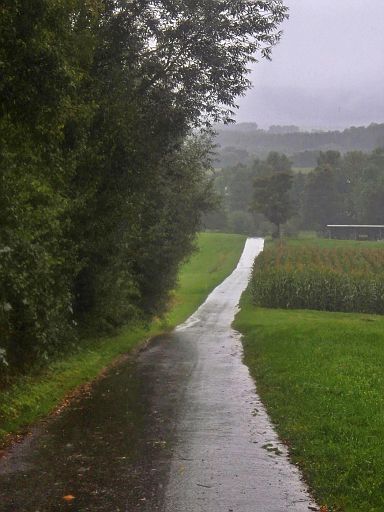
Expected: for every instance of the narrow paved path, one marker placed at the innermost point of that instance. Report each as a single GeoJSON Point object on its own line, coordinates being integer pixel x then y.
{"type": "Point", "coordinates": [179, 428]}
{"type": "Point", "coordinates": [226, 455]}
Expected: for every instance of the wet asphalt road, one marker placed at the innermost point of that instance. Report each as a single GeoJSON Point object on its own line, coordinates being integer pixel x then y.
{"type": "Point", "coordinates": [178, 428]}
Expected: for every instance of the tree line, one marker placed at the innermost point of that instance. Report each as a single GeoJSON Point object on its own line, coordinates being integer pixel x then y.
{"type": "Point", "coordinates": [244, 142]}
{"type": "Point", "coordinates": [104, 167]}
{"type": "Point", "coordinates": [259, 198]}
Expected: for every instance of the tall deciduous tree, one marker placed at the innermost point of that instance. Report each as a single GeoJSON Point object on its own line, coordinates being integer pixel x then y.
{"type": "Point", "coordinates": [322, 202]}
{"type": "Point", "coordinates": [160, 69]}
{"type": "Point", "coordinates": [102, 187]}
{"type": "Point", "coordinates": [272, 198]}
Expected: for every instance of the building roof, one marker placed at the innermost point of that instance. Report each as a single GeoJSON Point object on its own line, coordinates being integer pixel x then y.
{"type": "Point", "coordinates": [355, 226]}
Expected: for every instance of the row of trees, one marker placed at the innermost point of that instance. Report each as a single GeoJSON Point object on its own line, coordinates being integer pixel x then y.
{"type": "Point", "coordinates": [345, 189]}
{"type": "Point", "coordinates": [244, 142]}
{"type": "Point", "coordinates": [103, 179]}
{"type": "Point", "coordinates": [259, 198]}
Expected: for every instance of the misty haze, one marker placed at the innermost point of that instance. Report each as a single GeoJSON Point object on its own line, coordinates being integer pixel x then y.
{"type": "Point", "coordinates": [327, 71]}
{"type": "Point", "coordinates": [191, 255]}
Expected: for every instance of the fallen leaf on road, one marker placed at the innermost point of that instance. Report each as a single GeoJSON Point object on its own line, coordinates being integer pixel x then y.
{"type": "Point", "coordinates": [68, 498]}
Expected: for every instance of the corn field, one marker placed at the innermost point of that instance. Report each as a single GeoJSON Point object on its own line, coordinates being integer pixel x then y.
{"type": "Point", "coordinates": [329, 279]}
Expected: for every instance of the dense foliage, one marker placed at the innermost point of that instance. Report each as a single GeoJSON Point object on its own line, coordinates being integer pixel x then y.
{"type": "Point", "coordinates": [272, 198]}
{"type": "Point", "coordinates": [314, 277]}
{"type": "Point", "coordinates": [102, 182]}
{"type": "Point", "coordinates": [342, 189]}
{"type": "Point", "coordinates": [245, 210]}
{"type": "Point", "coordinates": [345, 189]}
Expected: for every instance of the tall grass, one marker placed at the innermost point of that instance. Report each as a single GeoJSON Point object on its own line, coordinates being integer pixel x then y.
{"type": "Point", "coordinates": [349, 279]}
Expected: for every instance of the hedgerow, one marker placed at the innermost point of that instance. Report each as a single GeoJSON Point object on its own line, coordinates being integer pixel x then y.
{"type": "Point", "coordinates": [103, 176]}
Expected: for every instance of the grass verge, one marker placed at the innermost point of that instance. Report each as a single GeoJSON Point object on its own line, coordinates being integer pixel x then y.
{"type": "Point", "coordinates": [321, 378]}
{"type": "Point", "coordinates": [33, 397]}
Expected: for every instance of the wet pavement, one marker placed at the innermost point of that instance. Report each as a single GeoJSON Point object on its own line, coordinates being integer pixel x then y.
{"type": "Point", "coordinates": [177, 428]}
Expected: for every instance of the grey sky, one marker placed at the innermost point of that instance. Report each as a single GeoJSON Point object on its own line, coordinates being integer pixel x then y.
{"type": "Point", "coordinates": [327, 71]}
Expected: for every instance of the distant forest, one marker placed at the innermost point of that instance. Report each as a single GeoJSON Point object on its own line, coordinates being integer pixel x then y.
{"type": "Point", "coordinates": [243, 142]}
{"type": "Point", "coordinates": [341, 189]}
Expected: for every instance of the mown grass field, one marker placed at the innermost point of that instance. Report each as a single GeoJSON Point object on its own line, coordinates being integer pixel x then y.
{"type": "Point", "coordinates": [320, 375]}
{"type": "Point", "coordinates": [33, 397]}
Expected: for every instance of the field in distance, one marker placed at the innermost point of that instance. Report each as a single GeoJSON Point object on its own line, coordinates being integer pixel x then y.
{"type": "Point", "coordinates": [329, 275]}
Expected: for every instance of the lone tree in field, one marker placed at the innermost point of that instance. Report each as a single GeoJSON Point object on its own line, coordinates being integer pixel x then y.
{"type": "Point", "coordinates": [271, 198]}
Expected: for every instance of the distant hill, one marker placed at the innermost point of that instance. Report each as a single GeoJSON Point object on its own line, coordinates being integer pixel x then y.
{"type": "Point", "coordinates": [243, 142]}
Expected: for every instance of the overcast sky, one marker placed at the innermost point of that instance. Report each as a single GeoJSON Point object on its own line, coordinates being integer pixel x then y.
{"type": "Point", "coordinates": [327, 71]}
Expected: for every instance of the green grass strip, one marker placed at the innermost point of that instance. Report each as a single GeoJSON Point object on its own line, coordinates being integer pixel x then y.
{"type": "Point", "coordinates": [33, 397]}
{"type": "Point", "coordinates": [321, 378]}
